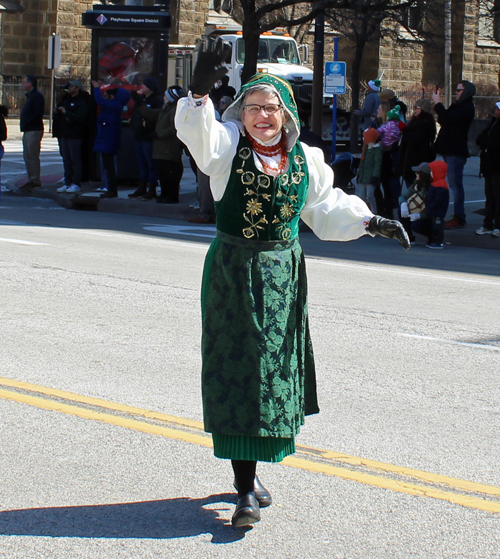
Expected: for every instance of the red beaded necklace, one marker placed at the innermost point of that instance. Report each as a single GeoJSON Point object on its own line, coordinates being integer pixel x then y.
{"type": "Point", "coordinates": [270, 151]}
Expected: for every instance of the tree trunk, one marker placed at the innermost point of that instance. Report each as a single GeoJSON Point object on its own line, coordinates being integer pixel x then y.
{"type": "Point", "coordinates": [251, 35]}
{"type": "Point", "coordinates": [355, 71]}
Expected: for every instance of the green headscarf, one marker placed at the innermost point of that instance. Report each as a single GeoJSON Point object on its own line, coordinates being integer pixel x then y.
{"type": "Point", "coordinates": [285, 94]}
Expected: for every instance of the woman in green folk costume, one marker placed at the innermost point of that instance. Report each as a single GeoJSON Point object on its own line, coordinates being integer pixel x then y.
{"type": "Point", "coordinates": [258, 377]}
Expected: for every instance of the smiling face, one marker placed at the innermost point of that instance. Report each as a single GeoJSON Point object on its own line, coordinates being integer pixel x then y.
{"type": "Point", "coordinates": [263, 126]}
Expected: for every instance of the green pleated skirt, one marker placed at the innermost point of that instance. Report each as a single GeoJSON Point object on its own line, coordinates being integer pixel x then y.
{"type": "Point", "coordinates": [262, 449]}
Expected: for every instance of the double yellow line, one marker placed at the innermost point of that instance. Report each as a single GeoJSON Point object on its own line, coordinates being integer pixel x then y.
{"type": "Point", "coordinates": [369, 472]}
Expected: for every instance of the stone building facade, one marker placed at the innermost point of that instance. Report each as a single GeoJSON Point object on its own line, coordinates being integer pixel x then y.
{"type": "Point", "coordinates": [24, 45]}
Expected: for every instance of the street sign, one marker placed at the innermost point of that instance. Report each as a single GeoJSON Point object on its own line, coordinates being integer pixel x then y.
{"type": "Point", "coordinates": [334, 78]}
{"type": "Point", "coordinates": [54, 58]}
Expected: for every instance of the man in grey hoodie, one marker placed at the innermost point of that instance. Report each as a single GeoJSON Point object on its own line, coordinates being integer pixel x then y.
{"type": "Point", "coordinates": [451, 143]}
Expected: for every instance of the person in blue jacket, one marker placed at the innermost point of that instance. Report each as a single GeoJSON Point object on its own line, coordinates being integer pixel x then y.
{"type": "Point", "coordinates": [111, 100]}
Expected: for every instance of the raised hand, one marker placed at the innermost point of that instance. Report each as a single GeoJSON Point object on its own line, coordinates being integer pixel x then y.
{"type": "Point", "coordinates": [210, 66]}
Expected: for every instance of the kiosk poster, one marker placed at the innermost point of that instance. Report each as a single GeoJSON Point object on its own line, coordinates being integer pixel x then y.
{"type": "Point", "coordinates": [125, 60]}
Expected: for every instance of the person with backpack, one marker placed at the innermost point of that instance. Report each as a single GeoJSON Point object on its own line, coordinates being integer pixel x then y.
{"type": "Point", "coordinates": [167, 148]}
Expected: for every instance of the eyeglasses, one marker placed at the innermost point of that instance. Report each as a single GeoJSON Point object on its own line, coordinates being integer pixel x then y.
{"type": "Point", "coordinates": [461, 89]}
{"type": "Point", "coordinates": [255, 109]}
{"type": "Point", "coordinates": [415, 108]}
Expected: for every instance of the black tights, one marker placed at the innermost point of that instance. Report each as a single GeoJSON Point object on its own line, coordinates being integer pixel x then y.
{"type": "Point", "coordinates": [244, 474]}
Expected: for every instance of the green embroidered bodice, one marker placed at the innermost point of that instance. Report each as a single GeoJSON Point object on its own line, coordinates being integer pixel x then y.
{"type": "Point", "coordinates": [259, 206]}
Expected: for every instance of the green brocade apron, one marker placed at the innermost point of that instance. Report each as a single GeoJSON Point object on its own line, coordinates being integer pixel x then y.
{"type": "Point", "coordinates": [258, 378]}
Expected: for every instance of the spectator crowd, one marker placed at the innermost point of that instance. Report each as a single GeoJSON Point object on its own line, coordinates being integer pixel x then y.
{"type": "Point", "coordinates": [396, 164]}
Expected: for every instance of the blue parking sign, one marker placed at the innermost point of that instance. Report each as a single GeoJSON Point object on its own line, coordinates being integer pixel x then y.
{"type": "Point", "coordinates": [334, 78]}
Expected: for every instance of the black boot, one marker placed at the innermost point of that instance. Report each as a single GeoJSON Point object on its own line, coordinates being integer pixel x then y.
{"type": "Point", "coordinates": [261, 493]}
{"type": "Point", "coordinates": [151, 193]}
{"type": "Point", "coordinates": [247, 511]}
{"type": "Point", "coordinates": [142, 190]}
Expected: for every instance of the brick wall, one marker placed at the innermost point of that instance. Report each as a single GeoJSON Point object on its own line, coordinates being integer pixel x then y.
{"type": "Point", "coordinates": [75, 39]}
{"type": "Point", "coordinates": [189, 20]}
{"type": "Point", "coordinates": [25, 38]}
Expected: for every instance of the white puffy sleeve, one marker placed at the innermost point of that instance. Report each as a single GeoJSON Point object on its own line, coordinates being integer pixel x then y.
{"type": "Point", "coordinates": [332, 214]}
{"type": "Point", "coordinates": [213, 144]}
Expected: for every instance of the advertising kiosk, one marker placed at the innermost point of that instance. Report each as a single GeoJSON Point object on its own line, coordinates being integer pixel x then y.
{"type": "Point", "coordinates": [129, 43]}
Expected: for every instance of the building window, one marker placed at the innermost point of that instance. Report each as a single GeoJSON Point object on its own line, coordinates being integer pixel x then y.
{"type": "Point", "coordinates": [220, 5]}
{"type": "Point", "coordinates": [413, 17]}
{"type": "Point", "coordinates": [489, 23]}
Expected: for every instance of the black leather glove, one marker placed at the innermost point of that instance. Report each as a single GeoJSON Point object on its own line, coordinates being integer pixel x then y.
{"type": "Point", "coordinates": [389, 228]}
{"type": "Point", "coordinates": [136, 98]}
{"type": "Point", "coordinates": [210, 66]}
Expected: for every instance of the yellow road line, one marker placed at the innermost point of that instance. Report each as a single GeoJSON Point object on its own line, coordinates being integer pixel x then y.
{"type": "Point", "coordinates": [98, 402]}
{"type": "Point", "coordinates": [300, 463]}
{"type": "Point", "coordinates": [401, 470]}
{"type": "Point", "coordinates": [106, 418]}
{"type": "Point", "coordinates": [394, 485]}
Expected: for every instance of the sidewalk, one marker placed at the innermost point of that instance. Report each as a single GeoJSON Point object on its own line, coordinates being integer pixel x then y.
{"type": "Point", "coordinates": [89, 199]}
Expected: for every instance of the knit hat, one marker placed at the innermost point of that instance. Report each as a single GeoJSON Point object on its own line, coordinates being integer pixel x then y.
{"type": "Point", "coordinates": [174, 93]}
{"type": "Point", "coordinates": [284, 92]}
{"type": "Point", "coordinates": [374, 84]}
{"type": "Point", "coordinates": [150, 83]}
{"type": "Point", "coordinates": [424, 104]}
{"type": "Point", "coordinates": [387, 95]}
{"type": "Point", "coordinates": [422, 168]}
{"type": "Point", "coordinates": [393, 114]}
{"type": "Point", "coordinates": [370, 135]}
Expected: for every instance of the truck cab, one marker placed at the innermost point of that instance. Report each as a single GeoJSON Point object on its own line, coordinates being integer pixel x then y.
{"type": "Point", "coordinates": [278, 55]}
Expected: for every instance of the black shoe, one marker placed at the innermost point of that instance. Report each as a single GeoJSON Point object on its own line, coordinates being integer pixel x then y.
{"type": "Point", "coordinates": [247, 511]}
{"type": "Point", "coordinates": [109, 194]}
{"type": "Point", "coordinates": [142, 190]}
{"type": "Point", "coordinates": [151, 192]}
{"type": "Point", "coordinates": [261, 493]}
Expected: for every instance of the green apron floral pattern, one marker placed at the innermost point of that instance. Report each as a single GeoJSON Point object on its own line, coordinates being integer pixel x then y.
{"type": "Point", "coordinates": [258, 377]}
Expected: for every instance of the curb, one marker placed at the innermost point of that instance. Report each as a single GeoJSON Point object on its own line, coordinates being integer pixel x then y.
{"type": "Point", "coordinates": [79, 201]}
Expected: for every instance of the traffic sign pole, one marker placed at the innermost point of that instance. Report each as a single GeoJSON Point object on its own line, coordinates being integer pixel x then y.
{"type": "Point", "coordinates": [334, 108]}
{"type": "Point", "coordinates": [334, 84]}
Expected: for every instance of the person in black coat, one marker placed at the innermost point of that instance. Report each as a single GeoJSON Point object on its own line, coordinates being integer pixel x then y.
{"type": "Point", "coordinates": [489, 142]}
{"type": "Point", "coordinates": [451, 143]}
{"type": "Point", "coordinates": [74, 111]}
{"type": "Point", "coordinates": [417, 141]}
{"type": "Point", "coordinates": [4, 111]}
{"type": "Point", "coordinates": [144, 135]}
{"type": "Point", "coordinates": [31, 123]}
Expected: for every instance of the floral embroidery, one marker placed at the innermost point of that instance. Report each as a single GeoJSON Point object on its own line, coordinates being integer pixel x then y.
{"type": "Point", "coordinates": [258, 186]}
{"type": "Point", "coordinates": [254, 207]}
{"type": "Point", "coordinates": [286, 210]}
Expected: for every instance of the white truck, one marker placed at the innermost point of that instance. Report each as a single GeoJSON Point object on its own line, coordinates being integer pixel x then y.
{"type": "Point", "coordinates": [278, 54]}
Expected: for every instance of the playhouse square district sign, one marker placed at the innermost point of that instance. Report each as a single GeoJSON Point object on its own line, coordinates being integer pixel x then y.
{"type": "Point", "coordinates": [123, 20]}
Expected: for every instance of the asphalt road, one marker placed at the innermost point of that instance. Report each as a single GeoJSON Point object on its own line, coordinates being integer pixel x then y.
{"type": "Point", "coordinates": [102, 455]}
